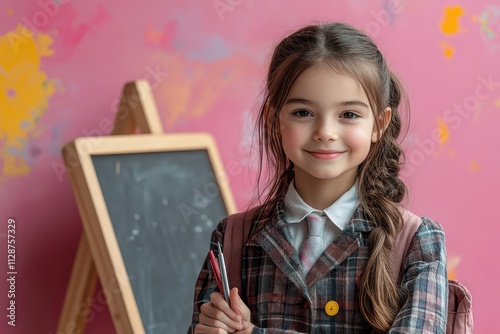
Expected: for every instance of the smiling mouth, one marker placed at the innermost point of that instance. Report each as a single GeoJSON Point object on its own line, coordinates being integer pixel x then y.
{"type": "Point", "coordinates": [325, 155]}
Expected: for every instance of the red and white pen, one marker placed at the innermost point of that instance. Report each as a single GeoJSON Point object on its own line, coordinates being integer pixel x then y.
{"type": "Point", "coordinates": [215, 268]}
{"type": "Point", "coordinates": [219, 269]}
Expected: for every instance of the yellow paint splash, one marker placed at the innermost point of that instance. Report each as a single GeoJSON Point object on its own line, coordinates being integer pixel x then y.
{"type": "Point", "coordinates": [443, 136]}
{"type": "Point", "coordinates": [474, 166]}
{"type": "Point", "coordinates": [448, 50]}
{"type": "Point", "coordinates": [444, 132]}
{"type": "Point", "coordinates": [24, 93]}
{"type": "Point", "coordinates": [450, 23]}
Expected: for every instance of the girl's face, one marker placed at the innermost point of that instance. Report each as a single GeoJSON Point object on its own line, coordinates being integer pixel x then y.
{"type": "Point", "coordinates": [327, 126]}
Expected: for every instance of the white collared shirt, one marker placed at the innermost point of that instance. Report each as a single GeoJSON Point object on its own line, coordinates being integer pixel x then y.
{"type": "Point", "coordinates": [339, 214]}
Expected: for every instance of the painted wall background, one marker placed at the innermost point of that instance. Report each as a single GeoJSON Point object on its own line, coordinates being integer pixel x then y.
{"type": "Point", "coordinates": [63, 65]}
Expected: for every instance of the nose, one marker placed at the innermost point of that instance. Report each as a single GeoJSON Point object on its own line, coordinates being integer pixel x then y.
{"type": "Point", "coordinates": [325, 130]}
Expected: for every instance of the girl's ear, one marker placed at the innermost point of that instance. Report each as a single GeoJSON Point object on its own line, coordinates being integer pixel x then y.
{"type": "Point", "coordinates": [385, 119]}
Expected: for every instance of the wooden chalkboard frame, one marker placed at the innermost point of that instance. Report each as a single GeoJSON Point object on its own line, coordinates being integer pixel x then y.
{"type": "Point", "coordinates": [136, 112]}
{"type": "Point", "coordinates": [95, 218]}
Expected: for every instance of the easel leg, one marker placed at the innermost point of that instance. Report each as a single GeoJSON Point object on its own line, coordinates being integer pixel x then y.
{"type": "Point", "coordinates": [81, 289]}
{"type": "Point", "coordinates": [137, 110]}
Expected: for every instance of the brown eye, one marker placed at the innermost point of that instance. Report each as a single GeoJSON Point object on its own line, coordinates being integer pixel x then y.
{"type": "Point", "coordinates": [302, 113]}
{"type": "Point", "coordinates": [350, 115]}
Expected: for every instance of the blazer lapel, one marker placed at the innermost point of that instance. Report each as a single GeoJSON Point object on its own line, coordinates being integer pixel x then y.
{"type": "Point", "coordinates": [275, 239]}
{"type": "Point", "coordinates": [349, 240]}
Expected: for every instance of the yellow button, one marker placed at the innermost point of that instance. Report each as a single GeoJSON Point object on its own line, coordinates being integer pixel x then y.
{"type": "Point", "coordinates": [332, 308]}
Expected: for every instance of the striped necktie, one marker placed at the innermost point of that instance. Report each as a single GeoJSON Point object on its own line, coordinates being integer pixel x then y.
{"type": "Point", "coordinates": [313, 245]}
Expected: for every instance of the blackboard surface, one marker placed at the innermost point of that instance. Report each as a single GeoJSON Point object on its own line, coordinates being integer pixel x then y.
{"type": "Point", "coordinates": [163, 207]}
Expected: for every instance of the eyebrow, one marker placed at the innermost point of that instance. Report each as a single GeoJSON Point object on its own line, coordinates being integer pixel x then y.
{"type": "Point", "coordinates": [348, 103]}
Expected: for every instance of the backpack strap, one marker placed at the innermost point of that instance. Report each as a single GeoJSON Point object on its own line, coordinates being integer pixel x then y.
{"type": "Point", "coordinates": [236, 235]}
{"type": "Point", "coordinates": [459, 320]}
{"type": "Point", "coordinates": [411, 223]}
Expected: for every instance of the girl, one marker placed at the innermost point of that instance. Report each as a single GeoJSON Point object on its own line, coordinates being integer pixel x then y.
{"type": "Point", "coordinates": [328, 128]}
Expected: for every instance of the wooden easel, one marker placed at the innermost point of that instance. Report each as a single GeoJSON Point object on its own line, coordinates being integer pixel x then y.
{"type": "Point", "coordinates": [137, 110]}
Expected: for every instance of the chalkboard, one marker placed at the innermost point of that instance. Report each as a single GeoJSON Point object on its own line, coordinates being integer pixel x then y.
{"type": "Point", "coordinates": [157, 200]}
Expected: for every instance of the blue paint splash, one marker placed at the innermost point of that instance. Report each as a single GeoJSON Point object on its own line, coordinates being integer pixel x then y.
{"type": "Point", "coordinates": [211, 48]}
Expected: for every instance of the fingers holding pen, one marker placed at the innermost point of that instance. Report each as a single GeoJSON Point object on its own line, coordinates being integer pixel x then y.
{"type": "Point", "coordinates": [217, 299]}
{"type": "Point", "coordinates": [216, 327]}
{"type": "Point", "coordinates": [242, 309]}
{"type": "Point", "coordinates": [218, 315]}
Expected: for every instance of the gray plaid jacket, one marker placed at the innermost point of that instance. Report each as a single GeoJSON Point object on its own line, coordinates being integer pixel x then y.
{"type": "Point", "coordinates": [282, 300]}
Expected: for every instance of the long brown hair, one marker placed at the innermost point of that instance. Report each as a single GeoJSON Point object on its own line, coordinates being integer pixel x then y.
{"type": "Point", "coordinates": [350, 52]}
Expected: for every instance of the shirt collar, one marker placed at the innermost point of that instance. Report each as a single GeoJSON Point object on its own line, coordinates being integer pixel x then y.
{"type": "Point", "coordinates": [340, 212]}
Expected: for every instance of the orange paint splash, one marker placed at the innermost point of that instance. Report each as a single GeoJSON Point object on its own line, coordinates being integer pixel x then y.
{"type": "Point", "coordinates": [443, 136]}
{"type": "Point", "coordinates": [191, 87]}
{"type": "Point", "coordinates": [194, 86]}
{"type": "Point", "coordinates": [444, 132]}
{"type": "Point", "coordinates": [452, 265]}
{"type": "Point", "coordinates": [448, 50]}
{"type": "Point", "coordinates": [450, 23]}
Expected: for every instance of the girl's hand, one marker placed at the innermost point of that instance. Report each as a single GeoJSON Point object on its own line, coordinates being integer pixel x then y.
{"type": "Point", "coordinates": [216, 317]}
{"type": "Point", "coordinates": [241, 309]}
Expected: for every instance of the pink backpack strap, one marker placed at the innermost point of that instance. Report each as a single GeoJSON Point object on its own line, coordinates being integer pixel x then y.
{"type": "Point", "coordinates": [411, 223]}
{"type": "Point", "coordinates": [236, 235]}
{"type": "Point", "coordinates": [460, 320]}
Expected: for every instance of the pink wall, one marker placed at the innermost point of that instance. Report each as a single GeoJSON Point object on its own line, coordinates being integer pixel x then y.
{"type": "Point", "coordinates": [63, 81]}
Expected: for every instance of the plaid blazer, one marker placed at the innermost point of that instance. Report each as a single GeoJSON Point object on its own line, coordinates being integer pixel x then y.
{"type": "Point", "coordinates": [283, 300]}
